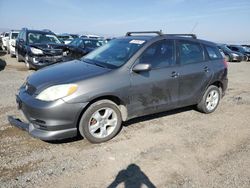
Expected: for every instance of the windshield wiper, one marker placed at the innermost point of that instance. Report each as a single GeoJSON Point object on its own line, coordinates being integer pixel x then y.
{"type": "Point", "coordinates": [93, 63]}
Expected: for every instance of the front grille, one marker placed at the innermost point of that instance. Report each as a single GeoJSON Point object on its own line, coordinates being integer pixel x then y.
{"type": "Point", "coordinates": [53, 52]}
{"type": "Point", "coordinates": [30, 89]}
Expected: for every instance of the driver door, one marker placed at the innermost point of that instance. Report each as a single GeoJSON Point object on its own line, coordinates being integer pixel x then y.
{"type": "Point", "coordinates": [155, 90]}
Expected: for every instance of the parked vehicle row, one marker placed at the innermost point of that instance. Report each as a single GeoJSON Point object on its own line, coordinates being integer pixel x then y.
{"type": "Point", "coordinates": [131, 76]}
{"type": "Point", "coordinates": [235, 53]}
{"type": "Point", "coordinates": [40, 48]}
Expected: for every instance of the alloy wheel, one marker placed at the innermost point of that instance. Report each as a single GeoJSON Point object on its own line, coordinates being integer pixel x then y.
{"type": "Point", "coordinates": [102, 122]}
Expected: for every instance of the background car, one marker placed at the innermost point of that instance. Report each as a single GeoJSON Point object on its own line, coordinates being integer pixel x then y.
{"type": "Point", "coordinates": [39, 48]}
{"type": "Point", "coordinates": [242, 50]}
{"type": "Point", "coordinates": [67, 38]}
{"type": "Point", "coordinates": [5, 41]}
{"type": "Point", "coordinates": [82, 46]}
{"type": "Point", "coordinates": [12, 42]}
{"type": "Point", "coordinates": [92, 36]}
{"type": "Point", "coordinates": [230, 55]}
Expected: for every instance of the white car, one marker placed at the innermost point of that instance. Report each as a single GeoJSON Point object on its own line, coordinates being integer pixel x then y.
{"type": "Point", "coordinates": [12, 43]}
{"type": "Point", "coordinates": [91, 36]}
{"type": "Point", "coordinates": [5, 41]}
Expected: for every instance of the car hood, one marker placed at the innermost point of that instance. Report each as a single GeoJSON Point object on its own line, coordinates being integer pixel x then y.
{"type": "Point", "coordinates": [48, 46]}
{"type": "Point", "coordinates": [63, 73]}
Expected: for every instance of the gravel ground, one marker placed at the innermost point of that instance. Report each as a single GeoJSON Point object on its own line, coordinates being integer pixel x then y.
{"type": "Point", "coordinates": [180, 148]}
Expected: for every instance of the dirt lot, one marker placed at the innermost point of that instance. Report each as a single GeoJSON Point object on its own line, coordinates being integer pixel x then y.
{"type": "Point", "coordinates": [181, 148]}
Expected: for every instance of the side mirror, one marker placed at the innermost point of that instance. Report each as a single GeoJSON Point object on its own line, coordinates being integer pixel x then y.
{"type": "Point", "coordinates": [142, 68]}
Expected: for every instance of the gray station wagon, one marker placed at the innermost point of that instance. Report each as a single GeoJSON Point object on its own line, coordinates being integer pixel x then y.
{"type": "Point", "coordinates": [136, 75]}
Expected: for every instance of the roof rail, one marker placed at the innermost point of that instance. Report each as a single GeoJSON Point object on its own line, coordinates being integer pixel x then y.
{"type": "Point", "coordinates": [144, 32]}
{"type": "Point", "coordinates": [184, 35]}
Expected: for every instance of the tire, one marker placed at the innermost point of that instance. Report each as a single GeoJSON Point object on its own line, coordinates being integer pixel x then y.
{"type": "Point", "coordinates": [27, 64]}
{"type": "Point", "coordinates": [207, 105]}
{"type": "Point", "coordinates": [95, 116]}
{"type": "Point", "coordinates": [18, 57]}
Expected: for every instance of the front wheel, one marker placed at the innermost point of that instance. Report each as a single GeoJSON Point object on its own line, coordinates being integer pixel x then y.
{"type": "Point", "coordinates": [18, 56]}
{"type": "Point", "coordinates": [27, 64]}
{"type": "Point", "coordinates": [210, 100]}
{"type": "Point", "coordinates": [100, 122]}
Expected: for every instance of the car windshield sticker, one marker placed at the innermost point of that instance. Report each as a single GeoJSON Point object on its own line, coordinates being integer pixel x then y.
{"type": "Point", "coordinates": [137, 41]}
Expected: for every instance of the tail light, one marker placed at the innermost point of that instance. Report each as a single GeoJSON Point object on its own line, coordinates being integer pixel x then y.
{"type": "Point", "coordinates": [225, 62]}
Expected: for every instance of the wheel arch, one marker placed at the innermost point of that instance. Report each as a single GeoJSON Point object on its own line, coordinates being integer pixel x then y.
{"type": "Point", "coordinates": [121, 105]}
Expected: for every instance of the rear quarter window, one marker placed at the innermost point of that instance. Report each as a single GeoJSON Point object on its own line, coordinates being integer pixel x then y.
{"type": "Point", "coordinates": [213, 52]}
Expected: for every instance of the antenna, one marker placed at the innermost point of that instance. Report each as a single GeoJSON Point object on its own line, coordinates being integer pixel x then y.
{"type": "Point", "coordinates": [195, 25]}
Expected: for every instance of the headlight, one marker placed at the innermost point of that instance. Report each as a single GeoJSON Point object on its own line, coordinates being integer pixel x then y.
{"type": "Point", "coordinates": [56, 92]}
{"type": "Point", "coordinates": [36, 51]}
{"type": "Point", "coordinates": [236, 55]}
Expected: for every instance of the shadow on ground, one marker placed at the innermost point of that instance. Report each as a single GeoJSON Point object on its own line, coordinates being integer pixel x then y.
{"type": "Point", "coordinates": [132, 176]}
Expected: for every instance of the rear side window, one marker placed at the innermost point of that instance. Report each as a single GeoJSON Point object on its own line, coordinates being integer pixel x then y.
{"type": "Point", "coordinates": [190, 52]}
{"type": "Point", "coordinates": [213, 52]}
{"type": "Point", "coordinates": [159, 54]}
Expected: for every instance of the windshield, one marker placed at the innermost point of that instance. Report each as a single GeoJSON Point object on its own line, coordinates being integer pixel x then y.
{"type": "Point", "coordinates": [66, 37]}
{"type": "Point", "coordinates": [14, 35]}
{"type": "Point", "coordinates": [242, 50]}
{"type": "Point", "coordinates": [115, 53]}
{"type": "Point", "coordinates": [43, 38]}
{"type": "Point", "coordinates": [247, 49]}
{"type": "Point", "coordinates": [225, 48]}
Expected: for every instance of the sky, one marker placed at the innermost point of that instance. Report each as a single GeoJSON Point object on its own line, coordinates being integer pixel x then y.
{"type": "Point", "coordinates": [225, 21]}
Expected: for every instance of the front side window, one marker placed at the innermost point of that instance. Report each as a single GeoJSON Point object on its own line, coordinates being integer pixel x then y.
{"type": "Point", "coordinates": [159, 54]}
{"type": "Point", "coordinates": [14, 35]}
{"type": "Point", "coordinates": [213, 52]}
{"type": "Point", "coordinates": [115, 53]}
{"type": "Point", "coordinates": [190, 52]}
{"type": "Point", "coordinates": [42, 38]}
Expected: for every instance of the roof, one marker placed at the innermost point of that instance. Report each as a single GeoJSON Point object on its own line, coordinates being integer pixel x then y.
{"type": "Point", "coordinates": [170, 36]}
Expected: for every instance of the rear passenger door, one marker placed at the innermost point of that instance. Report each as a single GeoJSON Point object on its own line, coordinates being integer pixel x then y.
{"type": "Point", "coordinates": [195, 72]}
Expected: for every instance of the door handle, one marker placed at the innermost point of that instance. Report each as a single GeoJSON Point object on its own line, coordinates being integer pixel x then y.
{"type": "Point", "coordinates": [206, 69]}
{"type": "Point", "coordinates": [174, 74]}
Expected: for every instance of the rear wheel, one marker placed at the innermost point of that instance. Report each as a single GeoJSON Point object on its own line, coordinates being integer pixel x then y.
{"type": "Point", "coordinates": [210, 100]}
{"type": "Point", "coordinates": [100, 122]}
{"type": "Point", "coordinates": [18, 57]}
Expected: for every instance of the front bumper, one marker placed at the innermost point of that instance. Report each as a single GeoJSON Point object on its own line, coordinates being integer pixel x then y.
{"type": "Point", "coordinates": [42, 134]}
{"type": "Point", "coordinates": [238, 58]}
{"type": "Point", "coordinates": [38, 62]}
{"type": "Point", "coordinates": [48, 120]}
